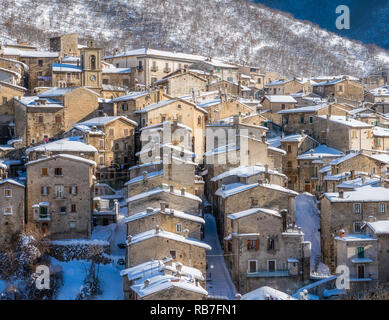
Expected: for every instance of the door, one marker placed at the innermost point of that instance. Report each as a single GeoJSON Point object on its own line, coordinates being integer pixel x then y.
{"type": "Point", "coordinates": [361, 271]}
{"type": "Point", "coordinates": [271, 265]}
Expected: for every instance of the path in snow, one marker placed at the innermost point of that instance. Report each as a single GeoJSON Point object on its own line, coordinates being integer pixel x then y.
{"type": "Point", "coordinates": [218, 278]}
{"type": "Point", "coordinates": [308, 218]}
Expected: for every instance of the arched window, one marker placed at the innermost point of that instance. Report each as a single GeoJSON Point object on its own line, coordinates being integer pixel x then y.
{"type": "Point", "coordinates": [93, 62]}
{"type": "Point", "coordinates": [270, 244]}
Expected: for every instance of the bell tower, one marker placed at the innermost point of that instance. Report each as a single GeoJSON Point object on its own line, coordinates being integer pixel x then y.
{"type": "Point", "coordinates": [91, 67]}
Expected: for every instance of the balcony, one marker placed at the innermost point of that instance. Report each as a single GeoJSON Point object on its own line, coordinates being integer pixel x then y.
{"type": "Point", "coordinates": [154, 69]}
{"type": "Point", "coordinates": [167, 70]}
{"type": "Point", "coordinates": [269, 274]}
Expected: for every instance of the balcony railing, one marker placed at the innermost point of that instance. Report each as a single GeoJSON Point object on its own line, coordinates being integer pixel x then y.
{"type": "Point", "coordinates": [167, 70]}
{"type": "Point", "coordinates": [269, 274]}
{"type": "Point", "coordinates": [154, 68]}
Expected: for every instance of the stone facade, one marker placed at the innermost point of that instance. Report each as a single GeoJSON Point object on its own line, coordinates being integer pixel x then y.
{"type": "Point", "coordinates": [61, 207]}
{"type": "Point", "coordinates": [12, 195]}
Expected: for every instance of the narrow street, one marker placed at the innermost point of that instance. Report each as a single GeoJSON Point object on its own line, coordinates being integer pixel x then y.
{"type": "Point", "coordinates": [219, 282]}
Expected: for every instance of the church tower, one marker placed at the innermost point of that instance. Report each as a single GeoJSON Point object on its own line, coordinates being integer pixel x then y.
{"type": "Point", "coordinates": [91, 67]}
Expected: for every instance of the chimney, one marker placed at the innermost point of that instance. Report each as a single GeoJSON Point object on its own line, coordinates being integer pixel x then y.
{"type": "Point", "coordinates": [363, 180]}
{"type": "Point", "coordinates": [94, 128]}
{"type": "Point", "coordinates": [163, 206]}
{"type": "Point", "coordinates": [352, 172]}
{"type": "Point", "coordinates": [159, 95]}
{"type": "Point", "coordinates": [186, 233]}
{"type": "Point", "coordinates": [260, 181]}
{"type": "Point", "coordinates": [372, 219]}
{"type": "Point", "coordinates": [311, 152]}
{"type": "Point", "coordinates": [341, 233]}
{"type": "Point", "coordinates": [179, 266]}
{"type": "Point", "coordinates": [328, 116]}
{"type": "Point", "coordinates": [263, 138]}
{"type": "Point", "coordinates": [284, 214]}
{"type": "Point", "coordinates": [196, 192]}
{"type": "Point", "coordinates": [171, 188]}
{"type": "Point", "coordinates": [149, 210]}
{"type": "Point", "coordinates": [341, 194]}
{"type": "Point", "coordinates": [238, 296]}
{"type": "Point", "coordinates": [303, 133]}
{"type": "Point", "coordinates": [182, 191]}
{"type": "Point", "coordinates": [157, 229]}
{"type": "Point", "coordinates": [223, 187]}
{"type": "Point", "coordinates": [266, 168]}
{"type": "Point", "coordinates": [146, 283]}
{"type": "Point", "coordinates": [144, 176]}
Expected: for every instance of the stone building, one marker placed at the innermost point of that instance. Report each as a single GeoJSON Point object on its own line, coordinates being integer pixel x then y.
{"type": "Point", "coordinates": [381, 138]}
{"type": "Point", "coordinates": [235, 197]}
{"type": "Point", "coordinates": [57, 203]}
{"type": "Point", "coordinates": [12, 219]}
{"type": "Point", "coordinates": [113, 137]}
{"type": "Point", "coordinates": [158, 244]}
{"type": "Point", "coordinates": [263, 249]}
{"type": "Point", "coordinates": [289, 86]}
{"type": "Point", "coordinates": [66, 45]}
{"type": "Point", "coordinates": [294, 145]}
{"type": "Point", "coordinates": [343, 87]}
{"type": "Point", "coordinates": [168, 219]}
{"type": "Point", "coordinates": [276, 103]}
{"type": "Point", "coordinates": [219, 69]}
{"type": "Point", "coordinates": [163, 280]}
{"type": "Point", "coordinates": [235, 88]}
{"type": "Point", "coordinates": [176, 199]}
{"type": "Point", "coordinates": [343, 133]}
{"type": "Point", "coordinates": [358, 252]}
{"type": "Point", "coordinates": [347, 211]}
{"type": "Point", "coordinates": [181, 82]}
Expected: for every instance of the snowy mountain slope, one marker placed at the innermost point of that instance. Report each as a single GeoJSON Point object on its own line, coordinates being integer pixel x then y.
{"type": "Point", "coordinates": [238, 30]}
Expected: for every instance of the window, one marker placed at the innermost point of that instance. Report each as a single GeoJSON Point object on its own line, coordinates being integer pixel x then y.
{"type": "Point", "coordinates": [382, 207]}
{"type": "Point", "coordinates": [358, 226]}
{"type": "Point", "coordinates": [101, 160]}
{"type": "Point", "coordinates": [125, 107]}
{"type": "Point", "coordinates": [199, 121]}
{"type": "Point", "coordinates": [58, 119]}
{"type": "Point", "coordinates": [271, 244]}
{"type": "Point", "coordinates": [286, 120]}
{"type": "Point", "coordinates": [7, 211]}
{"type": "Point", "coordinates": [340, 88]}
{"type": "Point", "coordinates": [252, 266]}
{"type": "Point", "coordinates": [43, 212]}
{"type": "Point", "coordinates": [361, 252]}
{"type": "Point", "coordinates": [254, 202]}
{"type": "Point", "coordinates": [44, 190]}
{"type": "Point", "coordinates": [302, 119]}
{"type": "Point", "coordinates": [8, 193]}
{"type": "Point", "coordinates": [289, 164]}
{"type": "Point", "coordinates": [357, 208]}
{"type": "Point", "coordinates": [253, 244]}
{"type": "Point", "coordinates": [283, 106]}
{"type": "Point", "coordinates": [289, 148]}
{"type": "Point", "coordinates": [73, 190]}
{"type": "Point", "coordinates": [58, 171]}
{"type": "Point", "coordinates": [4, 100]}
{"type": "Point", "coordinates": [40, 63]}
{"type": "Point", "coordinates": [101, 144]}
{"type": "Point", "coordinates": [59, 191]}
{"type": "Point", "coordinates": [40, 119]}
{"type": "Point", "coordinates": [72, 225]}
{"type": "Point", "coordinates": [178, 227]}
{"type": "Point", "coordinates": [44, 172]}
{"type": "Point", "coordinates": [111, 132]}
{"type": "Point", "coordinates": [62, 210]}
{"type": "Point", "coordinates": [271, 265]}
{"type": "Point", "coordinates": [173, 254]}
{"type": "Point", "coordinates": [310, 119]}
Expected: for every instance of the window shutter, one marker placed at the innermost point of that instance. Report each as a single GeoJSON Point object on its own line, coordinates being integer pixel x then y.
{"type": "Point", "coordinates": [70, 190]}
{"type": "Point", "coordinates": [248, 244]}
{"type": "Point", "coordinates": [76, 190]}
{"type": "Point", "coordinates": [257, 244]}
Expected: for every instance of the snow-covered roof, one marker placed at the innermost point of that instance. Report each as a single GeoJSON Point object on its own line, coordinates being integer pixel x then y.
{"type": "Point", "coordinates": [62, 67]}
{"type": "Point", "coordinates": [140, 178]}
{"type": "Point", "coordinates": [344, 158]}
{"type": "Point", "coordinates": [175, 213]}
{"type": "Point", "coordinates": [12, 85]}
{"type": "Point", "coordinates": [32, 102]}
{"type": "Point", "coordinates": [364, 194]}
{"type": "Point", "coordinates": [305, 109]}
{"type": "Point", "coordinates": [209, 103]}
{"type": "Point", "coordinates": [245, 171]}
{"type": "Point", "coordinates": [12, 181]}
{"type": "Point", "coordinates": [167, 235]}
{"type": "Point", "coordinates": [102, 121]}
{"type": "Point", "coordinates": [165, 282]}
{"type": "Point", "coordinates": [235, 188]}
{"type": "Point", "coordinates": [347, 121]}
{"type": "Point", "coordinates": [131, 96]}
{"type": "Point", "coordinates": [67, 144]}
{"type": "Point", "coordinates": [321, 151]}
{"type": "Point", "coordinates": [280, 99]}
{"type": "Point", "coordinates": [162, 189]}
{"type": "Point", "coordinates": [116, 70]}
{"type": "Point", "coordinates": [358, 182]}
{"type": "Point", "coordinates": [356, 237]}
{"type": "Point", "coordinates": [10, 51]}
{"type": "Point", "coordinates": [65, 156]}
{"type": "Point", "coordinates": [161, 125]}
{"type": "Point", "coordinates": [249, 212]}
{"type": "Point", "coordinates": [380, 132]}
{"type": "Point", "coordinates": [266, 293]}
{"type": "Point", "coordinates": [381, 91]}
{"type": "Point", "coordinates": [379, 227]}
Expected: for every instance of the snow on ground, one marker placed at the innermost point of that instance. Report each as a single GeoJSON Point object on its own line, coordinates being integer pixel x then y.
{"type": "Point", "coordinates": [74, 273]}
{"type": "Point", "coordinates": [218, 278]}
{"type": "Point", "coordinates": [308, 218]}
